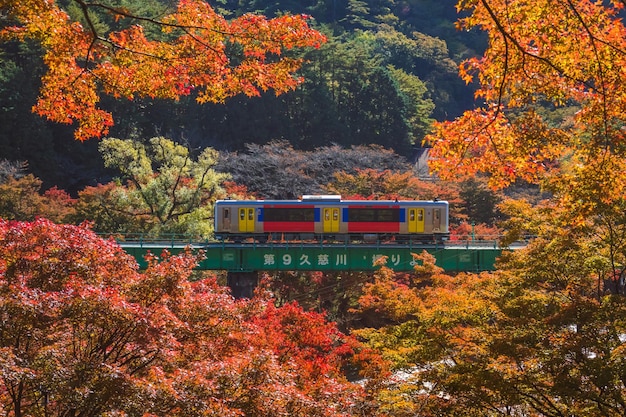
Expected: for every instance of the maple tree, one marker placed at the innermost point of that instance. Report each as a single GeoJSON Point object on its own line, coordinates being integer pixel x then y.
{"type": "Point", "coordinates": [543, 336]}
{"type": "Point", "coordinates": [195, 54]}
{"type": "Point", "coordinates": [541, 55]}
{"type": "Point", "coordinates": [84, 332]}
{"type": "Point", "coordinates": [548, 336]}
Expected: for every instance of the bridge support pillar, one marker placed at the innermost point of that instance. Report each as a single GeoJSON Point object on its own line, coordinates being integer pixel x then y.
{"type": "Point", "coordinates": [242, 284]}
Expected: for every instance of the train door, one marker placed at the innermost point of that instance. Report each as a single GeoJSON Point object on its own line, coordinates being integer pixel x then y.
{"type": "Point", "coordinates": [226, 218]}
{"type": "Point", "coordinates": [331, 219]}
{"type": "Point", "coordinates": [246, 219]}
{"type": "Point", "coordinates": [436, 220]}
{"type": "Point", "coordinates": [416, 220]}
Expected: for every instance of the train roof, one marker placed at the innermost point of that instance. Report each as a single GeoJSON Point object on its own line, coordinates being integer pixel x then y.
{"type": "Point", "coordinates": [334, 202]}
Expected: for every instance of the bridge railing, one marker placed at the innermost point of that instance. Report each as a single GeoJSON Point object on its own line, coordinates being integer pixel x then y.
{"type": "Point", "coordinates": [475, 240]}
{"type": "Point", "coordinates": [173, 240]}
{"type": "Point", "coordinates": [170, 240]}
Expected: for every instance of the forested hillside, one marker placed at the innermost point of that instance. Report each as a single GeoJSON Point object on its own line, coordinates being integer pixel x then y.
{"type": "Point", "coordinates": [85, 332]}
{"type": "Point", "coordinates": [387, 70]}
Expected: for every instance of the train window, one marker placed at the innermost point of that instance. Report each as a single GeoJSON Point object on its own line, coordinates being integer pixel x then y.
{"type": "Point", "coordinates": [335, 214]}
{"type": "Point", "coordinates": [361, 215]}
{"type": "Point", "coordinates": [412, 215]}
{"type": "Point", "coordinates": [384, 216]}
{"type": "Point", "coordinates": [250, 214]}
{"type": "Point", "coordinates": [374, 215]}
{"type": "Point", "coordinates": [226, 213]}
{"type": "Point", "coordinates": [242, 214]}
{"type": "Point", "coordinates": [420, 215]}
{"type": "Point", "coordinates": [289, 214]}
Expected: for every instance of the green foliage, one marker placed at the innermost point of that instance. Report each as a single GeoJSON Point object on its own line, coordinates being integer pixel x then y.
{"type": "Point", "coordinates": [418, 109]}
{"type": "Point", "coordinates": [8, 71]}
{"type": "Point", "coordinates": [480, 202]}
{"type": "Point", "coordinates": [164, 190]}
{"type": "Point", "coordinates": [357, 13]}
{"type": "Point", "coordinates": [367, 104]}
{"type": "Point", "coordinates": [351, 96]}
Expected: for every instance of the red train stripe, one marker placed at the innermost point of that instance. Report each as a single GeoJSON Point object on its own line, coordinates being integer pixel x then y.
{"type": "Point", "coordinates": [371, 227]}
{"type": "Point", "coordinates": [288, 226]}
{"type": "Point", "coordinates": [371, 206]}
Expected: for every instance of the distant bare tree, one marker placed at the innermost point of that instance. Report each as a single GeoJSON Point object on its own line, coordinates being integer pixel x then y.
{"type": "Point", "coordinates": [277, 170]}
{"type": "Point", "coordinates": [15, 169]}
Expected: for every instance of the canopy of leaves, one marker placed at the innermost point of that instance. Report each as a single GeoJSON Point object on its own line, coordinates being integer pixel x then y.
{"type": "Point", "coordinates": [85, 333]}
{"type": "Point", "coordinates": [542, 337]}
{"type": "Point", "coordinates": [82, 62]}
{"type": "Point", "coordinates": [541, 54]}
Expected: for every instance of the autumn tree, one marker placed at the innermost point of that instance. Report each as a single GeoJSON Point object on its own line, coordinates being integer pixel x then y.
{"type": "Point", "coordinates": [84, 332]}
{"type": "Point", "coordinates": [542, 336]}
{"type": "Point", "coordinates": [21, 198]}
{"type": "Point", "coordinates": [535, 339]}
{"type": "Point", "coordinates": [379, 184]}
{"type": "Point", "coordinates": [198, 52]}
{"type": "Point", "coordinates": [542, 55]}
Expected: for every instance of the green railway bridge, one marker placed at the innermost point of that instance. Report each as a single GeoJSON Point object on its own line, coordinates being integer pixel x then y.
{"type": "Point", "coordinates": [243, 261]}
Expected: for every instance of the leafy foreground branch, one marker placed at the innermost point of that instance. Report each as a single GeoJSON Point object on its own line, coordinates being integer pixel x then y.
{"type": "Point", "coordinates": [83, 63]}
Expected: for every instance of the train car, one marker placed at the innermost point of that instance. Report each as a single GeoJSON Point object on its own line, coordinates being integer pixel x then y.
{"type": "Point", "coordinates": [329, 218]}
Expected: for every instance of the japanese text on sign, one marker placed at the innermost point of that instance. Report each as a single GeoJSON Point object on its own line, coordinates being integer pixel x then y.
{"type": "Point", "coordinates": [306, 260]}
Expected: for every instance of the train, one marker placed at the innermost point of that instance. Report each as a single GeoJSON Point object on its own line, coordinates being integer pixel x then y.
{"type": "Point", "coordinates": [329, 218]}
